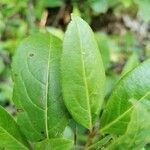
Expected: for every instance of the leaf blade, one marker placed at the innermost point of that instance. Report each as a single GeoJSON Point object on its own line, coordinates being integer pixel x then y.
{"type": "Point", "coordinates": [132, 62]}
{"type": "Point", "coordinates": [139, 136]}
{"type": "Point", "coordinates": [10, 135]}
{"type": "Point", "coordinates": [64, 144]}
{"type": "Point", "coordinates": [37, 90]}
{"type": "Point", "coordinates": [134, 84]}
{"type": "Point", "coordinates": [78, 82]}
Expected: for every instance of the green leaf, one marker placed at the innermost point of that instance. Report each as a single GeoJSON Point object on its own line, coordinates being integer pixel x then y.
{"type": "Point", "coordinates": [76, 11]}
{"type": "Point", "coordinates": [138, 131]}
{"type": "Point", "coordinates": [100, 144]}
{"type": "Point", "coordinates": [100, 6]}
{"type": "Point", "coordinates": [135, 84]}
{"type": "Point", "coordinates": [55, 144]}
{"type": "Point", "coordinates": [126, 3]}
{"type": "Point", "coordinates": [37, 91]}
{"type": "Point", "coordinates": [103, 44]}
{"type": "Point", "coordinates": [56, 32]}
{"type": "Point", "coordinates": [41, 5]}
{"type": "Point", "coordinates": [132, 62]}
{"type": "Point", "coordinates": [5, 91]}
{"type": "Point", "coordinates": [2, 65]}
{"type": "Point", "coordinates": [83, 76]}
{"type": "Point", "coordinates": [27, 127]}
{"type": "Point", "coordinates": [144, 10]}
{"type": "Point", "coordinates": [10, 135]}
{"type": "Point", "coordinates": [147, 147]}
{"type": "Point", "coordinates": [53, 3]}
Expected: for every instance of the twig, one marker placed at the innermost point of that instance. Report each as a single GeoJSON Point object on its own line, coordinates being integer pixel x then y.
{"type": "Point", "coordinates": [43, 19]}
{"type": "Point", "coordinates": [59, 15]}
{"type": "Point", "coordinates": [90, 138]}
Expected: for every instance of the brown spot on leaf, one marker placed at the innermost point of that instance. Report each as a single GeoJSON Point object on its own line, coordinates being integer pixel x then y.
{"type": "Point", "coordinates": [20, 110]}
{"type": "Point", "coordinates": [31, 54]}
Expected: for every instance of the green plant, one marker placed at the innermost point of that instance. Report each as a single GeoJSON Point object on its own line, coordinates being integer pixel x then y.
{"type": "Point", "coordinates": [59, 90]}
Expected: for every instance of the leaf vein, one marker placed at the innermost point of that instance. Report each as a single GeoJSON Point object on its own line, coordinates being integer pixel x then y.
{"type": "Point", "coordinates": [29, 96]}
{"type": "Point", "coordinates": [84, 76]}
{"type": "Point", "coordinates": [123, 114]}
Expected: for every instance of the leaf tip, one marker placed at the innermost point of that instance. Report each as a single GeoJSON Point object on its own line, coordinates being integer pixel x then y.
{"type": "Point", "coordinates": [74, 16]}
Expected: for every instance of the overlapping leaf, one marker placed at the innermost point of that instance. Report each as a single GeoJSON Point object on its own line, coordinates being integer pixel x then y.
{"type": "Point", "coordinates": [10, 135]}
{"type": "Point", "coordinates": [37, 90]}
{"type": "Point", "coordinates": [83, 77]}
{"type": "Point", "coordinates": [138, 131]}
{"type": "Point", "coordinates": [132, 62]}
{"type": "Point", "coordinates": [135, 84]}
{"type": "Point", "coordinates": [55, 144]}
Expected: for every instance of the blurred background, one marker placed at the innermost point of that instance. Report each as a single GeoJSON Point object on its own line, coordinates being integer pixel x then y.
{"type": "Point", "coordinates": [121, 29]}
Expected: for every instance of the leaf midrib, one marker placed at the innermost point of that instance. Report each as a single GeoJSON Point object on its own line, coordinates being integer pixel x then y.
{"type": "Point", "coordinates": [122, 115]}
{"type": "Point", "coordinates": [84, 76]}
{"type": "Point", "coordinates": [47, 87]}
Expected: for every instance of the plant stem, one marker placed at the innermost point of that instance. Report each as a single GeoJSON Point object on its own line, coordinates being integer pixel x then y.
{"type": "Point", "coordinates": [90, 138]}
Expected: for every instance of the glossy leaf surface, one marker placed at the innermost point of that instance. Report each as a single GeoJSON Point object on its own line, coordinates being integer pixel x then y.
{"type": "Point", "coordinates": [132, 62]}
{"type": "Point", "coordinates": [10, 135]}
{"type": "Point", "coordinates": [136, 85]}
{"type": "Point", "coordinates": [37, 90]}
{"type": "Point", "coordinates": [103, 44]}
{"type": "Point", "coordinates": [55, 144]}
{"type": "Point", "coordinates": [138, 131]}
{"type": "Point", "coordinates": [83, 77]}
